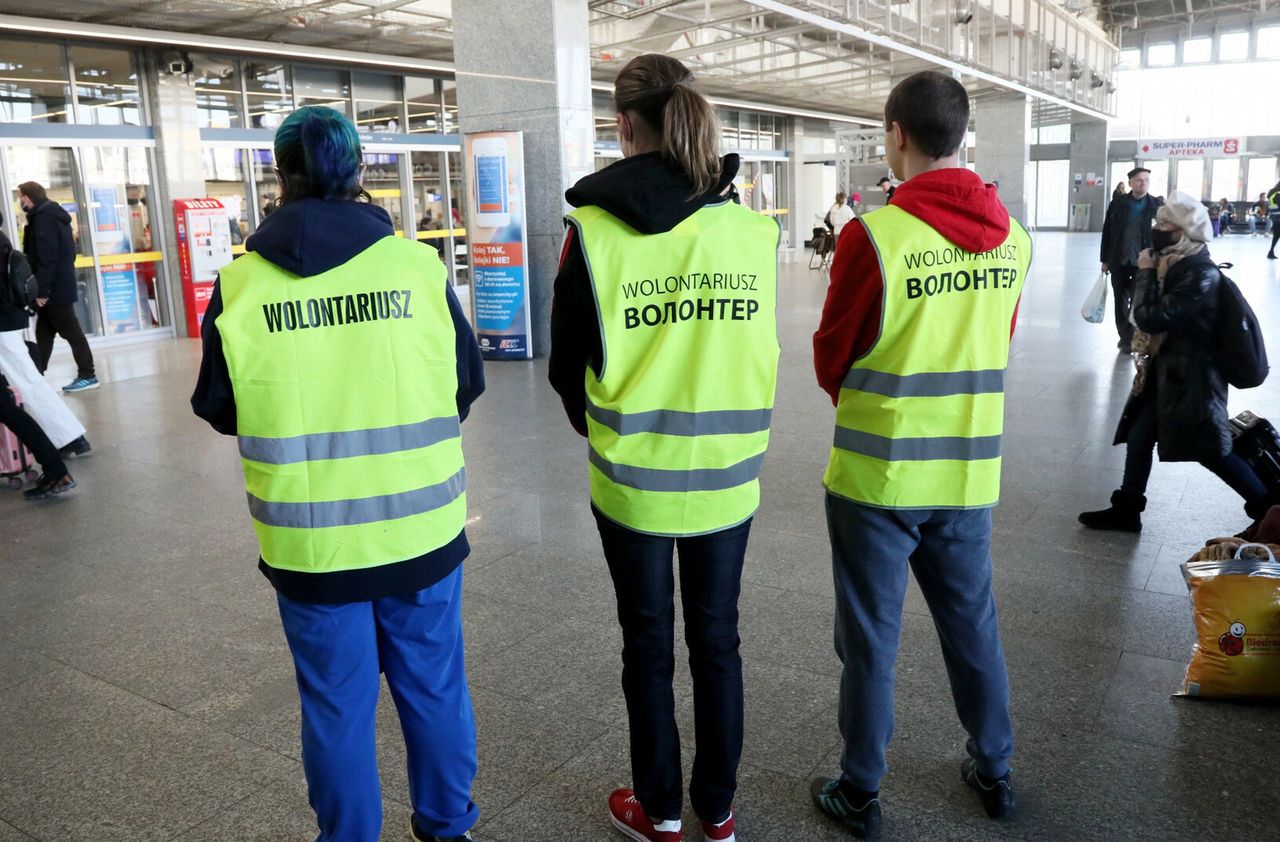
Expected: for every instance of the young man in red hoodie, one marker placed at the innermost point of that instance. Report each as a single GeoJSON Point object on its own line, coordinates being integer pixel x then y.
{"type": "Point", "coordinates": [912, 348]}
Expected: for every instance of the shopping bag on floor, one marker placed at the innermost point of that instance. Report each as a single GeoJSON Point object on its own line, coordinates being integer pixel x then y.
{"type": "Point", "coordinates": [1094, 308]}
{"type": "Point", "coordinates": [1236, 607]}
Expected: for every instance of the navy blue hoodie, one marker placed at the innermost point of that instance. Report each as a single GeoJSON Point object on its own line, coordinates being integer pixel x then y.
{"type": "Point", "coordinates": [309, 237]}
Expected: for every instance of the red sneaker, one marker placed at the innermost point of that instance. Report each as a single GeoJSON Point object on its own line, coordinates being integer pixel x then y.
{"type": "Point", "coordinates": [722, 832]}
{"type": "Point", "coordinates": [629, 817]}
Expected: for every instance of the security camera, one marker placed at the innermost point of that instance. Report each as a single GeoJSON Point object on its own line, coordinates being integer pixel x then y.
{"type": "Point", "coordinates": [964, 12]}
{"type": "Point", "coordinates": [1096, 81]}
{"type": "Point", "coordinates": [175, 63]}
{"type": "Point", "coordinates": [1055, 60]}
{"type": "Point", "coordinates": [1077, 69]}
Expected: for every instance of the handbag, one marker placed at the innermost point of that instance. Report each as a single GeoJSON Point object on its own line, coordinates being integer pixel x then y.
{"type": "Point", "coordinates": [1094, 308]}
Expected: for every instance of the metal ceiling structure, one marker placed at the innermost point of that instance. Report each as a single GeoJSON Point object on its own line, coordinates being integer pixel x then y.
{"type": "Point", "coordinates": [825, 55]}
{"type": "Point", "coordinates": [1150, 14]}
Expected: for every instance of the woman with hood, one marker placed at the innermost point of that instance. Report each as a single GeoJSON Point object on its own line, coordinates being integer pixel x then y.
{"type": "Point", "coordinates": [1178, 404]}
{"type": "Point", "coordinates": [664, 351]}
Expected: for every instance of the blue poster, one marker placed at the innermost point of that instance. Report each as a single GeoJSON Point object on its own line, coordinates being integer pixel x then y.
{"type": "Point", "coordinates": [497, 236]}
{"type": "Point", "coordinates": [120, 293]}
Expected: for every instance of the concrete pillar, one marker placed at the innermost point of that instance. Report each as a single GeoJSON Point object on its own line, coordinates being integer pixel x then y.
{"type": "Point", "coordinates": [1003, 129]}
{"type": "Point", "coordinates": [1089, 155]}
{"type": "Point", "coordinates": [179, 168]}
{"type": "Point", "coordinates": [794, 221]}
{"type": "Point", "coordinates": [526, 67]}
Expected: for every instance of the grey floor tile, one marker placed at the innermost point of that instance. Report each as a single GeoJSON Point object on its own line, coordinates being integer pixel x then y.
{"type": "Point", "coordinates": [9, 833]}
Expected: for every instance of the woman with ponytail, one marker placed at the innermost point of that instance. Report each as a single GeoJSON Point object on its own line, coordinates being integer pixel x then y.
{"type": "Point", "coordinates": [339, 356]}
{"type": "Point", "coordinates": [664, 351]}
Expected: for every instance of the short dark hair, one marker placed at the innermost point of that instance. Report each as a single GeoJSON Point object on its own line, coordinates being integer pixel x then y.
{"type": "Point", "coordinates": [1137, 170]}
{"type": "Point", "coordinates": [884, 179]}
{"type": "Point", "coordinates": [33, 190]}
{"type": "Point", "coordinates": [932, 109]}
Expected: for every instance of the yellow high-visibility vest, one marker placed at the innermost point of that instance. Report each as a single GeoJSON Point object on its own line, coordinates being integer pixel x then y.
{"type": "Point", "coordinates": [679, 417]}
{"type": "Point", "coordinates": [345, 387]}
{"type": "Point", "coordinates": [920, 416]}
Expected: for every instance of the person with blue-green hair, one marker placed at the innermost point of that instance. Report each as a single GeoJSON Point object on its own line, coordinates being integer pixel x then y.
{"type": "Point", "coordinates": [338, 355]}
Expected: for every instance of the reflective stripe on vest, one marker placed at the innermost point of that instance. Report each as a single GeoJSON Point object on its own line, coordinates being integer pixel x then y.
{"type": "Point", "coordinates": [920, 415]}
{"type": "Point", "coordinates": [678, 420]}
{"type": "Point", "coordinates": [350, 461]}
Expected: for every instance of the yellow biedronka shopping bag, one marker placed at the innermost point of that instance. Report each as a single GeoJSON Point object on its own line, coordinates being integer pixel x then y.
{"type": "Point", "coordinates": [1236, 607]}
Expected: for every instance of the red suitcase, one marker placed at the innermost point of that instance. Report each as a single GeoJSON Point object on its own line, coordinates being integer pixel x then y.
{"type": "Point", "coordinates": [16, 463]}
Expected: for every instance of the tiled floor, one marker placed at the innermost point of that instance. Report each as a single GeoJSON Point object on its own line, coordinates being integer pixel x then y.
{"type": "Point", "coordinates": [146, 692]}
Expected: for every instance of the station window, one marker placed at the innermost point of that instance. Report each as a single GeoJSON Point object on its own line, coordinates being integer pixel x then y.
{"type": "Point", "coordinates": [1269, 42]}
{"type": "Point", "coordinates": [1226, 179]}
{"type": "Point", "coordinates": [1261, 176]}
{"type": "Point", "coordinates": [1161, 55]}
{"type": "Point", "coordinates": [322, 86]}
{"type": "Point", "coordinates": [34, 84]}
{"type": "Point", "coordinates": [377, 98]}
{"type": "Point", "coordinates": [270, 91]}
{"type": "Point", "coordinates": [1191, 177]}
{"type": "Point", "coordinates": [1233, 46]}
{"type": "Point", "coordinates": [450, 117]}
{"type": "Point", "coordinates": [423, 95]}
{"type": "Point", "coordinates": [1130, 58]}
{"type": "Point", "coordinates": [1197, 51]}
{"type": "Point", "coordinates": [106, 87]}
{"type": "Point", "coordinates": [217, 86]}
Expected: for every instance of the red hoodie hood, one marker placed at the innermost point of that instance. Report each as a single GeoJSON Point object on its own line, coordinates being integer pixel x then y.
{"type": "Point", "coordinates": [958, 205]}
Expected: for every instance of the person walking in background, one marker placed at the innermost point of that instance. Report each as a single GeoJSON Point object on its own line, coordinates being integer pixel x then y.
{"type": "Point", "coordinates": [1125, 232]}
{"type": "Point", "coordinates": [886, 186]}
{"type": "Point", "coordinates": [1179, 400]}
{"type": "Point", "coordinates": [54, 477]}
{"type": "Point", "coordinates": [1273, 203]}
{"type": "Point", "coordinates": [838, 216]}
{"type": "Point", "coordinates": [56, 420]}
{"type": "Point", "coordinates": [916, 367]}
{"type": "Point", "coordinates": [351, 442]}
{"type": "Point", "coordinates": [49, 246]}
{"type": "Point", "coordinates": [1119, 191]}
{"type": "Point", "coordinates": [674, 392]}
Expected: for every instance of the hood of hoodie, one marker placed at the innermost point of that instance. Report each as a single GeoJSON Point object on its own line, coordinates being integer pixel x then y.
{"type": "Point", "coordinates": [51, 209]}
{"type": "Point", "coordinates": [646, 192]}
{"type": "Point", "coordinates": [958, 205]}
{"type": "Point", "coordinates": [312, 236]}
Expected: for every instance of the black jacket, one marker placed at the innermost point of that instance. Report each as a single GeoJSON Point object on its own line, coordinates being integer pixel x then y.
{"type": "Point", "coordinates": [11, 317]}
{"type": "Point", "coordinates": [652, 197]}
{"type": "Point", "coordinates": [1190, 394]}
{"type": "Point", "coordinates": [49, 246]}
{"type": "Point", "coordinates": [1120, 247]}
{"type": "Point", "coordinates": [309, 237]}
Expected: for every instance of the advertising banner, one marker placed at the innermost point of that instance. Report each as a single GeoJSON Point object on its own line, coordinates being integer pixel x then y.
{"type": "Point", "coordinates": [120, 293]}
{"type": "Point", "coordinates": [497, 235]}
{"type": "Point", "coordinates": [204, 247]}
{"type": "Point", "coordinates": [1196, 147]}
{"type": "Point", "coordinates": [110, 233]}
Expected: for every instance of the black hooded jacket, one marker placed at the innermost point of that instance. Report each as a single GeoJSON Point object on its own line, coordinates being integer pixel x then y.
{"type": "Point", "coordinates": [48, 244]}
{"type": "Point", "coordinates": [652, 197]}
{"type": "Point", "coordinates": [308, 237]}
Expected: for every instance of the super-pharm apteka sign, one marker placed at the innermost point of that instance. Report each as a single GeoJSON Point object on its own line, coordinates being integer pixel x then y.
{"type": "Point", "coordinates": [1198, 147]}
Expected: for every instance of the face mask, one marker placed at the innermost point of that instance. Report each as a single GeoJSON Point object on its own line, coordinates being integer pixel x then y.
{"type": "Point", "coordinates": [1161, 239]}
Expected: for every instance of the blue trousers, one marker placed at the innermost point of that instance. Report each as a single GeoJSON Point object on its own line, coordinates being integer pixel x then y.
{"type": "Point", "coordinates": [338, 652]}
{"type": "Point", "coordinates": [950, 553]}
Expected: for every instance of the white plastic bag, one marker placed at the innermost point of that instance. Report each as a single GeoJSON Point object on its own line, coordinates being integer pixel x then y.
{"type": "Point", "coordinates": [1094, 308]}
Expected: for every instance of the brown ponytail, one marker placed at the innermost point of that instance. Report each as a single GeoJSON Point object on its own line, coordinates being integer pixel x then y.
{"type": "Point", "coordinates": [661, 91]}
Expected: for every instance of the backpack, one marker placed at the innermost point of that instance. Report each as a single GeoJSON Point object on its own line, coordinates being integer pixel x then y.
{"type": "Point", "coordinates": [1239, 353]}
{"type": "Point", "coordinates": [20, 287]}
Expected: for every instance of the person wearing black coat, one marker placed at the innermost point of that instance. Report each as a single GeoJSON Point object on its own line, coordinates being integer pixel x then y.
{"type": "Point", "coordinates": [49, 246]}
{"type": "Point", "coordinates": [1178, 406]}
{"type": "Point", "coordinates": [1125, 232]}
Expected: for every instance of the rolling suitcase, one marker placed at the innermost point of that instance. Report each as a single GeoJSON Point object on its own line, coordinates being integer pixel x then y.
{"type": "Point", "coordinates": [16, 462]}
{"type": "Point", "coordinates": [1258, 443]}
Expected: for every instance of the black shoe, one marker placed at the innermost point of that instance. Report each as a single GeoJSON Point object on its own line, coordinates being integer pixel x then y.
{"type": "Point", "coordinates": [1124, 347]}
{"type": "Point", "coordinates": [48, 486]}
{"type": "Point", "coordinates": [79, 447]}
{"type": "Point", "coordinates": [1271, 255]}
{"type": "Point", "coordinates": [420, 837]}
{"type": "Point", "coordinates": [996, 795]}
{"type": "Point", "coordinates": [1125, 514]}
{"type": "Point", "coordinates": [860, 813]}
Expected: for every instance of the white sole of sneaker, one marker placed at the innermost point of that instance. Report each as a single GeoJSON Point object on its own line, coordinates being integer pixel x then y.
{"type": "Point", "coordinates": [628, 832]}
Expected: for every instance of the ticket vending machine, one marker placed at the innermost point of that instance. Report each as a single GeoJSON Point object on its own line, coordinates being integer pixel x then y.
{"type": "Point", "coordinates": [204, 247]}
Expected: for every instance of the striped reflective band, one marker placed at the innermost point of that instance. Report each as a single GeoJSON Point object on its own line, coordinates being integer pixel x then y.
{"type": "Point", "coordinates": [698, 479]}
{"type": "Point", "coordinates": [917, 449]}
{"type": "Point", "coordinates": [928, 384]}
{"type": "Point", "coordinates": [359, 510]}
{"type": "Point", "coordinates": [671, 422]}
{"type": "Point", "coordinates": [316, 446]}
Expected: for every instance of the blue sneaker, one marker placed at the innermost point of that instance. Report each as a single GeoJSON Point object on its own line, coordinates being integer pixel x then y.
{"type": "Point", "coordinates": [862, 818]}
{"type": "Point", "coordinates": [81, 384]}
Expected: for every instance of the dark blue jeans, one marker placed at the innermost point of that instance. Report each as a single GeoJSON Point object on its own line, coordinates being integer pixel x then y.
{"type": "Point", "coordinates": [710, 582]}
{"type": "Point", "coordinates": [949, 550]}
{"type": "Point", "coordinates": [1139, 454]}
